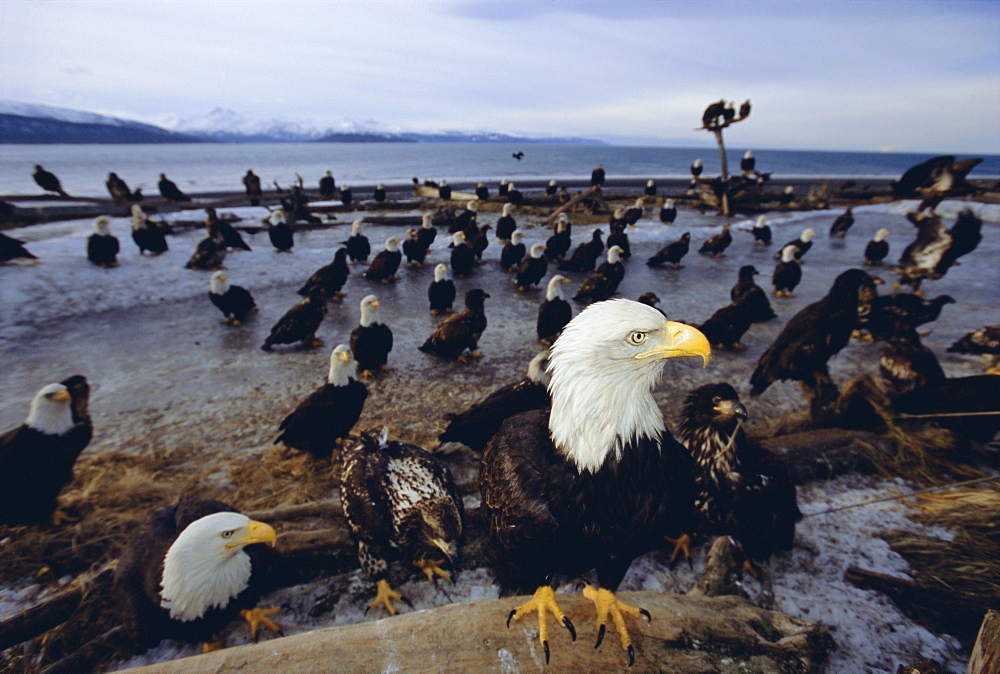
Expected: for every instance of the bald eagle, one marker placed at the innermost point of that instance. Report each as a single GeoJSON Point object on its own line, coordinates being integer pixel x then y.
{"type": "Point", "coordinates": [802, 244]}
{"type": "Point", "coordinates": [746, 291]}
{"type": "Point", "coordinates": [743, 490]}
{"type": "Point", "coordinates": [814, 335]}
{"type": "Point", "coordinates": [299, 324]}
{"type": "Point", "coordinates": [400, 502]}
{"type": "Point", "coordinates": [668, 212]}
{"type": "Point", "coordinates": [210, 252]}
{"type": "Point", "coordinates": [557, 245]}
{"type": "Point", "coordinates": [358, 247]}
{"type": "Point", "coordinates": [532, 269]}
{"type": "Point", "coordinates": [475, 426]}
{"type": "Point", "coordinates": [386, 263]}
{"type": "Point", "coordinates": [427, 232]}
{"type": "Point", "coordinates": [441, 291]}
{"type": "Point", "coordinates": [463, 258]}
{"type": "Point", "coordinates": [555, 312]}
{"type": "Point", "coordinates": [604, 282]}
{"type": "Point", "coordinates": [673, 252]}
{"type": "Point", "coordinates": [414, 250]}
{"type": "Point", "coordinates": [232, 238]}
{"type": "Point", "coordinates": [235, 302]}
{"type": "Point", "coordinates": [761, 231]}
{"type": "Point", "coordinates": [716, 245]}
{"type": "Point", "coordinates": [935, 179]}
{"type": "Point", "coordinates": [48, 180]}
{"type": "Point", "coordinates": [842, 223]}
{"type": "Point", "coordinates": [13, 249]}
{"type": "Point", "coordinates": [280, 233]}
{"type": "Point", "coordinates": [147, 234]}
{"type": "Point", "coordinates": [329, 278]}
{"type": "Point", "coordinates": [371, 341]}
{"type": "Point", "coordinates": [102, 245]}
{"type": "Point", "coordinates": [38, 456]}
{"type": "Point", "coordinates": [597, 176]}
{"type": "Point", "coordinates": [327, 185]}
{"type": "Point", "coordinates": [985, 341]}
{"type": "Point", "coordinates": [169, 190]}
{"type": "Point", "coordinates": [878, 248]}
{"type": "Point", "coordinates": [118, 189]}
{"type": "Point", "coordinates": [460, 332]}
{"type": "Point", "coordinates": [506, 224]}
{"type": "Point", "coordinates": [513, 252]}
{"type": "Point", "coordinates": [190, 569]}
{"type": "Point", "coordinates": [597, 480]}
{"type": "Point", "coordinates": [328, 413]}
{"type": "Point", "coordinates": [584, 256]}
{"type": "Point", "coordinates": [787, 273]}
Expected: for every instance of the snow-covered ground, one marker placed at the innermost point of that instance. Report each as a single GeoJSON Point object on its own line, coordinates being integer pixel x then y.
{"type": "Point", "coordinates": [160, 364]}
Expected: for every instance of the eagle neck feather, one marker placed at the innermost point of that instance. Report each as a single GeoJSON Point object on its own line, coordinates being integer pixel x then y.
{"type": "Point", "coordinates": [193, 583]}
{"type": "Point", "coordinates": [593, 418]}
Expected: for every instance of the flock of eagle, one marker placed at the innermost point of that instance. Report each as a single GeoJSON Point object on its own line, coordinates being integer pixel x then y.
{"type": "Point", "coordinates": [579, 470]}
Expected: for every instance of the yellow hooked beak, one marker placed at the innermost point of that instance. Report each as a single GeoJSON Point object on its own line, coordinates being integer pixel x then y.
{"type": "Point", "coordinates": [344, 356]}
{"type": "Point", "coordinates": [679, 340]}
{"type": "Point", "coordinates": [61, 396]}
{"type": "Point", "coordinates": [257, 532]}
{"type": "Point", "coordinates": [375, 303]}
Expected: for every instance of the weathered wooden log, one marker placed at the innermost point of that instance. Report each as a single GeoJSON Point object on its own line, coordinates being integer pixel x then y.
{"type": "Point", "coordinates": [577, 198]}
{"type": "Point", "coordinates": [826, 453]}
{"type": "Point", "coordinates": [51, 612]}
{"type": "Point", "coordinates": [942, 609]}
{"type": "Point", "coordinates": [986, 653]}
{"type": "Point", "coordinates": [686, 634]}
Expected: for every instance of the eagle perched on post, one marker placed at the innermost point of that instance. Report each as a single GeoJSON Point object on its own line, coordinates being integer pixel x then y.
{"type": "Point", "coordinates": [597, 480]}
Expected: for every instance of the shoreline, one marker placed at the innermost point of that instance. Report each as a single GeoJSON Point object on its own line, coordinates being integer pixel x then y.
{"type": "Point", "coordinates": [32, 209]}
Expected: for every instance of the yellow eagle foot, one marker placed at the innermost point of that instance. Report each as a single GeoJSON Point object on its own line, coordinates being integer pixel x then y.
{"type": "Point", "coordinates": [432, 570]}
{"type": "Point", "coordinates": [211, 646]}
{"type": "Point", "coordinates": [606, 603]}
{"type": "Point", "coordinates": [385, 596]}
{"type": "Point", "coordinates": [258, 617]}
{"type": "Point", "coordinates": [682, 546]}
{"type": "Point", "coordinates": [543, 600]}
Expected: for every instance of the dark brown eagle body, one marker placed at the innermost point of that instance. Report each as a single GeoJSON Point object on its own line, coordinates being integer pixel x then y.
{"type": "Point", "coordinates": [546, 516]}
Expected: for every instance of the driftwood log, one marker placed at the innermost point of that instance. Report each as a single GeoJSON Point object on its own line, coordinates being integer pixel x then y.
{"type": "Point", "coordinates": [686, 634]}
{"type": "Point", "coordinates": [577, 198]}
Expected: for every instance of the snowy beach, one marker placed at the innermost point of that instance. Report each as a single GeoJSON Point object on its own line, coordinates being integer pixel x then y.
{"type": "Point", "coordinates": [167, 377]}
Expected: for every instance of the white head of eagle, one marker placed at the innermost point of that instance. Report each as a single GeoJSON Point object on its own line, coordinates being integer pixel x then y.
{"type": "Point", "coordinates": [603, 368]}
{"type": "Point", "coordinates": [206, 565]}
{"type": "Point", "coordinates": [50, 411]}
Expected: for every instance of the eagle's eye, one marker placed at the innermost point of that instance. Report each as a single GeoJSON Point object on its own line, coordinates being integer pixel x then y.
{"type": "Point", "coordinates": [637, 338]}
{"type": "Point", "coordinates": [716, 400]}
{"type": "Point", "coordinates": [228, 534]}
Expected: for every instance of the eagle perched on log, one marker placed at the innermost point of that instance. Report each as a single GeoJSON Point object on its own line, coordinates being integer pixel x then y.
{"type": "Point", "coordinates": [597, 480]}
{"type": "Point", "coordinates": [400, 503]}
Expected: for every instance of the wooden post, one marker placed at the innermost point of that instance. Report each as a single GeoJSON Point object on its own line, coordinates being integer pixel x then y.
{"type": "Point", "coordinates": [725, 171]}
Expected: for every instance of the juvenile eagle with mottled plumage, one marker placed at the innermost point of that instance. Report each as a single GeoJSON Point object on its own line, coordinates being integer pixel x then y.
{"type": "Point", "coordinates": [400, 503]}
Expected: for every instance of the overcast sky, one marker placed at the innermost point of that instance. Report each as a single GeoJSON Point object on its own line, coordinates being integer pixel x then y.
{"type": "Point", "coordinates": [895, 75]}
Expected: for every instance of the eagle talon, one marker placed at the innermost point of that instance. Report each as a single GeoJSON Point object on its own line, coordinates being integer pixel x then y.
{"type": "Point", "coordinates": [645, 614]}
{"type": "Point", "coordinates": [600, 635]}
{"type": "Point", "coordinates": [568, 624]}
{"type": "Point", "coordinates": [631, 655]}
{"type": "Point", "coordinates": [258, 617]}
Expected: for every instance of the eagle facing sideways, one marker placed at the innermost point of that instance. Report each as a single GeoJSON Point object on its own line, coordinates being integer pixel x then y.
{"type": "Point", "coordinates": [400, 503]}
{"type": "Point", "coordinates": [38, 456]}
{"type": "Point", "coordinates": [235, 302]}
{"type": "Point", "coordinates": [597, 480]}
{"type": "Point", "coordinates": [190, 569]}
{"type": "Point", "coordinates": [460, 332]}
{"type": "Point", "coordinates": [328, 413]}
{"type": "Point", "coordinates": [743, 490]}
{"type": "Point", "coordinates": [811, 337]}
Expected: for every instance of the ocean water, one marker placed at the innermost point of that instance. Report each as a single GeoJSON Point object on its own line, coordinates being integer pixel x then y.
{"type": "Point", "coordinates": [213, 167]}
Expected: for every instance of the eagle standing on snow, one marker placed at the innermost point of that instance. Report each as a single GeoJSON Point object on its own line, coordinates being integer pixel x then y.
{"type": "Point", "coordinates": [460, 332]}
{"type": "Point", "coordinates": [235, 302]}
{"type": "Point", "coordinates": [38, 456]}
{"type": "Point", "coordinates": [328, 413]}
{"type": "Point", "coordinates": [190, 569]}
{"type": "Point", "coordinates": [743, 490]}
{"type": "Point", "coordinates": [400, 503]}
{"type": "Point", "coordinates": [597, 480]}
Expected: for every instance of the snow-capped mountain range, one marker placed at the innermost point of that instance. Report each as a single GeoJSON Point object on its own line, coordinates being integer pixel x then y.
{"type": "Point", "coordinates": [37, 123]}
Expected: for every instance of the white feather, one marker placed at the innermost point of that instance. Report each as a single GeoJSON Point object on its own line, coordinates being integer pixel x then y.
{"type": "Point", "coordinates": [200, 572]}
